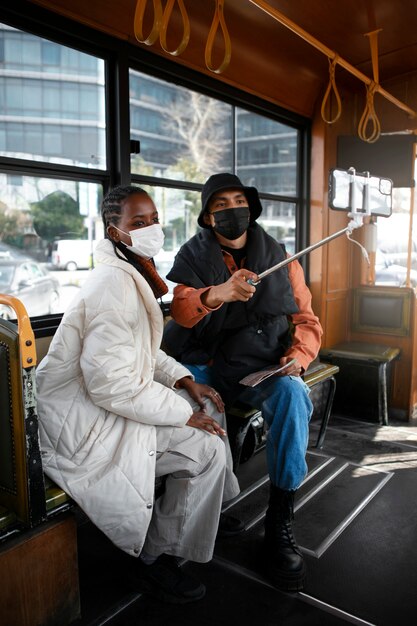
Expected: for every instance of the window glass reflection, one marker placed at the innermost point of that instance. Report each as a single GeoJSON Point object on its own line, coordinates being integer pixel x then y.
{"type": "Point", "coordinates": [184, 135]}
{"type": "Point", "coordinates": [278, 219]}
{"type": "Point", "coordinates": [391, 258]}
{"type": "Point", "coordinates": [48, 230]}
{"type": "Point", "coordinates": [266, 153]}
{"type": "Point", "coordinates": [52, 101]}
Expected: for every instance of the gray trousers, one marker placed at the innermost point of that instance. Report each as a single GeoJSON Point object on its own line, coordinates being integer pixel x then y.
{"type": "Point", "coordinates": [198, 467]}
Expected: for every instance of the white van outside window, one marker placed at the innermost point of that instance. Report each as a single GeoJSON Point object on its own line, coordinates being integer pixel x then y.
{"type": "Point", "coordinates": [72, 254]}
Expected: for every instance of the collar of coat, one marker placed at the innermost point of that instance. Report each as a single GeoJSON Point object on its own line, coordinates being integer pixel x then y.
{"type": "Point", "coordinates": [105, 255]}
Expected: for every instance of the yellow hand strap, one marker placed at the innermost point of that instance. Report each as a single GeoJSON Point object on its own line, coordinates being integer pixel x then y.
{"type": "Point", "coordinates": [26, 336]}
{"type": "Point", "coordinates": [138, 22]}
{"type": "Point", "coordinates": [331, 86]}
{"type": "Point", "coordinates": [218, 19]}
{"type": "Point", "coordinates": [186, 28]}
{"type": "Point", "coordinates": [369, 115]}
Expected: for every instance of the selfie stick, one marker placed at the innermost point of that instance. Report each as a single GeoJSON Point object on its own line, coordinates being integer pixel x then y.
{"type": "Point", "coordinates": [355, 222]}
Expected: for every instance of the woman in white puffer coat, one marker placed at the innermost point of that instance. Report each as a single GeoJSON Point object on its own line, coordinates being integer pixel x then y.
{"type": "Point", "coordinates": [115, 411]}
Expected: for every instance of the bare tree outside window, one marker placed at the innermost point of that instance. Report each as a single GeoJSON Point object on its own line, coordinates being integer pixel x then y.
{"type": "Point", "coordinates": [203, 125]}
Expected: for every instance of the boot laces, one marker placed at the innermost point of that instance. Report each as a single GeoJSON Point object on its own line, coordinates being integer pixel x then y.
{"type": "Point", "coordinates": [288, 536]}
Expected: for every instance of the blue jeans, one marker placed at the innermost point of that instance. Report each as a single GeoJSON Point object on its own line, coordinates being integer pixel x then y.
{"type": "Point", "coordinates": [286, 408]}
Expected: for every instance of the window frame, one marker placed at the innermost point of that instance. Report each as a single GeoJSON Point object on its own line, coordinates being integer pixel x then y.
{"type": "Point", "coordinates": [119, 57]}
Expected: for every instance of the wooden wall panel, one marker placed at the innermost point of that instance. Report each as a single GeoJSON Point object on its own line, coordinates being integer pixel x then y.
{"type": "Point", "coordinates": [338, 262]}
{"type": "Point", "coordinates": [39, 576]}
{"type": "Point", "coordinates": [337, 319]}
{"type": "Point", "coordinates": [318, 220]}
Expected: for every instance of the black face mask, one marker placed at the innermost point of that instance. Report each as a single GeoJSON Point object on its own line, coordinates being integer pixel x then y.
{"type": "Point", "coordinates": [232, 223]}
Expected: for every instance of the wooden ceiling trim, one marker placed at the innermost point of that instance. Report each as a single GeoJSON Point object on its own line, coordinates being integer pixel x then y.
{"type": "Point", "coordinates": [268, 60]}
{"type": "Point", "coordinates": [88, 15]}
{"type": "Point", "coordinates": [331, 54]}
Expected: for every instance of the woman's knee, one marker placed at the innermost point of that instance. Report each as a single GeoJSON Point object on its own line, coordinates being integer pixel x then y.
{"type": "Point", "coordinates": [211, 409]}
{"type": "Point", "coordinates": [217, 450]}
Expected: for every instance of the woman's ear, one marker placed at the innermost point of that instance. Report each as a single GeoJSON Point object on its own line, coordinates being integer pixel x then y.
{"type": "Point", "coordinates": [112, 233]}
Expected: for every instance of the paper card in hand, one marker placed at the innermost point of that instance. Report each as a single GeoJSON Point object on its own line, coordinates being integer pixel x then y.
{"type": "Point", "coordinates": [257, 377]}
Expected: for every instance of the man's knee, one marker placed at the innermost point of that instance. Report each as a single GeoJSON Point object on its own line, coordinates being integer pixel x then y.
{"type": "Point", "coordinates": [288, 402]}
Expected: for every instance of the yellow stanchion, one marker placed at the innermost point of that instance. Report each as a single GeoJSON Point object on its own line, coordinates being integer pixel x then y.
{"type": "Point", "coordinates": [26, 336]}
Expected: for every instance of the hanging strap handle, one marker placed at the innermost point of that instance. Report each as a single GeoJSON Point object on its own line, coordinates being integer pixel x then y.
{"type": "Point", "coordinates": [26, 336]}
{"type": "Point", "coordinates": [331, 86]}
{"type": "Point", "coordinates": [185, 23]}
{"type": "Point", "coordinates": [138, 21]}
{"type": "Point", "coordinates": [218, 19]}
{"type": "Point", "coordinates": [369, 116]}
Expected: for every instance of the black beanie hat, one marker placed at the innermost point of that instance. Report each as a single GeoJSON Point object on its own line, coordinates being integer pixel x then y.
{"type": "Point", "coordinates": [217, 182]}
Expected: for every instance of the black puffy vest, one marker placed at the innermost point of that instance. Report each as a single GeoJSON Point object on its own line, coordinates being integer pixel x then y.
{"type": "Point", "coordinates": [239, 338]}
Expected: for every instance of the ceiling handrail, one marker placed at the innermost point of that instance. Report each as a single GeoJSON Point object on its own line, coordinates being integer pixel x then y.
{"type": "Point", "coordinates": [282, 19]}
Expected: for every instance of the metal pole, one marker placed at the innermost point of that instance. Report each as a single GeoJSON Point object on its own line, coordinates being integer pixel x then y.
{"type": "Point", "coordinates": [331, 54]}
{"type": "Point", "coordinates": [297, 255]}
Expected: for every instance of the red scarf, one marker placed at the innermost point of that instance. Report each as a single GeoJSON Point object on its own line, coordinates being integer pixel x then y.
{"type": "Point", "coordinates": [158, 286]}
{"type": "Point", "coordinates": [145, 267]}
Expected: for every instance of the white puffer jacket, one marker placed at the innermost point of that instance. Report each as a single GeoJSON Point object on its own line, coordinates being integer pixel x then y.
{"type": "Point", "coordinates": [102, 389]}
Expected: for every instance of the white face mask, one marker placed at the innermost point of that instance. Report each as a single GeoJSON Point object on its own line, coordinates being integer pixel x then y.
{"type": "Point", "coordinates": [147, 241]}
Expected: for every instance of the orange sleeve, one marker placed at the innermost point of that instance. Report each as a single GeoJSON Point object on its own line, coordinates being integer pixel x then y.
{"type": "Point", "coordinates": [307, 328]}
{"type": "Point", "coordinates": [186, 307]}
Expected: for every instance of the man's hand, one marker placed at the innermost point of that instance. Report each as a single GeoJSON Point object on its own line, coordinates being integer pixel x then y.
{"type": "Point", "coordinates": [236, 289]}
{"type": "Point", "coordinates": [198, 392]}
{"type": "Point", "coordinates": [205, 422]}
{"type": "Point", "coordinates": [294, 368]}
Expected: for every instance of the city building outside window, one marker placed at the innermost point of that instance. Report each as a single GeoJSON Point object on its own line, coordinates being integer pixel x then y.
{"type": "Point", "coordinates": [186, 136]}
{"type": "Point", "coordinates": [52, 105]}
{"type": "Point", "coordinates": [53, 117]}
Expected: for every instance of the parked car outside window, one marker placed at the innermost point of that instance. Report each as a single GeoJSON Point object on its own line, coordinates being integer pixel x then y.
{"type": "Point", "coordinates": [391, 263]}
{"type": "Point", "coordinates": [29, 281]}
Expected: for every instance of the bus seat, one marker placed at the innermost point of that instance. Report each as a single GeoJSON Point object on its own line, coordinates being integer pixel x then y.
{"type": "Point", "coordinates": [35, 552]}
{"type": "Point", "coordinates": [365, 365]}
{"type": "Point", "coordinates": [23, 492]}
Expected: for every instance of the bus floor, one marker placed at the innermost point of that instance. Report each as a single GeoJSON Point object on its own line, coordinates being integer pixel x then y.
{"type": "Point", "coordinates": [355, 520]}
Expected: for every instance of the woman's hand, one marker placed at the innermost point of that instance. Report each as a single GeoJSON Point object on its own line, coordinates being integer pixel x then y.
{"type": "Point", "coordinates": [205, 422]}
{"type": "Point", "coordinates": [199, 391]}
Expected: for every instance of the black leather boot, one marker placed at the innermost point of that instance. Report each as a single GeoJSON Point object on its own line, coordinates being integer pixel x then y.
{"type": "Point", "coordinates": [283, 559]}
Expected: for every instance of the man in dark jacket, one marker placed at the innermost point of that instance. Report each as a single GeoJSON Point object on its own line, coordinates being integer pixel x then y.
{"type": "Point", "coordinates": [225, 328]}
